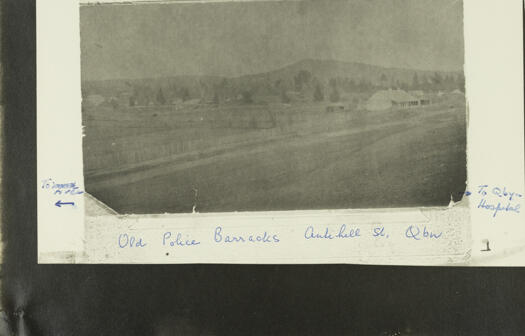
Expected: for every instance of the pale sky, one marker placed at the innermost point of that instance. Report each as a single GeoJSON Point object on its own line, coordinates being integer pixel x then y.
{"type": "Point", "coordinates": [237, 38]}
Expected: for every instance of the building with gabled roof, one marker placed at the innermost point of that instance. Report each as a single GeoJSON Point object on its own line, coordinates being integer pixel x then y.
{"type": "Point", "coordinates": [385, 99]}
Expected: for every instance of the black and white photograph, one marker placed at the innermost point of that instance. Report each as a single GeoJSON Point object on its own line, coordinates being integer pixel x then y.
{"type": "Point", "coordinates": [273, 105]}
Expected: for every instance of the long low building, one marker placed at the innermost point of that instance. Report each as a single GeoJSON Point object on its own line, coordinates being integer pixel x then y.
{"type": "Point", "coordinates": [386, 99]}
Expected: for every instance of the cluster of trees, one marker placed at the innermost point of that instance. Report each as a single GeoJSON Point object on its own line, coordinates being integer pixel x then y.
{"type": "Point", "coordinates": [434, 82]}
{"type": "Point", "coordinates": [143, 95]}
{"type": "Point", "coordinates": [305, 82]}
{"type": "Point", "coordinates": [437, 82]}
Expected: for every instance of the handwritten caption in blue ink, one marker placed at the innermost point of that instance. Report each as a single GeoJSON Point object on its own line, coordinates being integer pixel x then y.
{"type": "Point", "coordinates": [69, 188]}
{"type": "Point", "coordinates": [62, 189]}
{"type": "Point", "coordinates": [413, 232]}
{"type": "Point", "coordinates": [220, 236]}
{"type": "Point", "coordinates": [497, 199]}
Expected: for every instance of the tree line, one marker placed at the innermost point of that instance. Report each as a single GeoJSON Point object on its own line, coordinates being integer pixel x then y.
{"type": "Point", "coordinates": [303, 83]}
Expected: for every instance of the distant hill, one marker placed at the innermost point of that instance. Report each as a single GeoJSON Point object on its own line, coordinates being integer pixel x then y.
{"type": "Point", "coordinates": [326, 69]}
{"type": "Point", "coordinates": [304, 75]}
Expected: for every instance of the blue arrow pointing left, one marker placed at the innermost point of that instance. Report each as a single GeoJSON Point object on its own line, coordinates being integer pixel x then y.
{"type": "Point", "coordinates": [59, 203]}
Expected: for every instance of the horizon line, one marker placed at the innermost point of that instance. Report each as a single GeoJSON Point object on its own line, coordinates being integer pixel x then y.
{"type": "Point", "coordinates": [462, 70]}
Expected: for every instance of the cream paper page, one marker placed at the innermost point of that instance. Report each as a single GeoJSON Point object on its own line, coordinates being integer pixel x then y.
{"type": "Point", "coordinates": [482, 225]}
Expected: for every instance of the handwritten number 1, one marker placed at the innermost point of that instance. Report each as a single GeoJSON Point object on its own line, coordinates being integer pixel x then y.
{"type": "Point", "coordinates": [486, 241]}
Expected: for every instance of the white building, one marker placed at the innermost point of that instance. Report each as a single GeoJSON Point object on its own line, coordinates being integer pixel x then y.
{"type": "Point", "coordinates": [385, 99]}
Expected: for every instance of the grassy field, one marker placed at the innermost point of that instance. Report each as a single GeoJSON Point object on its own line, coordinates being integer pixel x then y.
{"type": "Point", "coordinates": [273, 157]}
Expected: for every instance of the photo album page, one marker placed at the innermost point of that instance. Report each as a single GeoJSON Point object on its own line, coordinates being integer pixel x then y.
{"type": "Point", "coordinates": [383, 132]}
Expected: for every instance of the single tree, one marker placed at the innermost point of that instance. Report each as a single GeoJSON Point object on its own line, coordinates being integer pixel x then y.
{"type": "Point", "coordinates": [383, 80]}
{"type": "Point", "coordinates": [161, 100]}
{"type": "Point", "coordinates": [415, 82]}
{"type": "Point", "coordinates": [301, 79]}
{"type": "Point", "coordinates": [284, 97]}
{"type": "Point", "coordinates": [334, 95]}
{"type": "Point", "coordinates": [437, 81]}
{"type": "Point", "coordinates": [184, 94]}
{"type": "Point", "coordinates": [318, 93]}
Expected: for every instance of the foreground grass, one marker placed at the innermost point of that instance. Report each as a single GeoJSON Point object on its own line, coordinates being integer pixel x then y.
{"type": "Point", "coordinates": [314, 161]}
